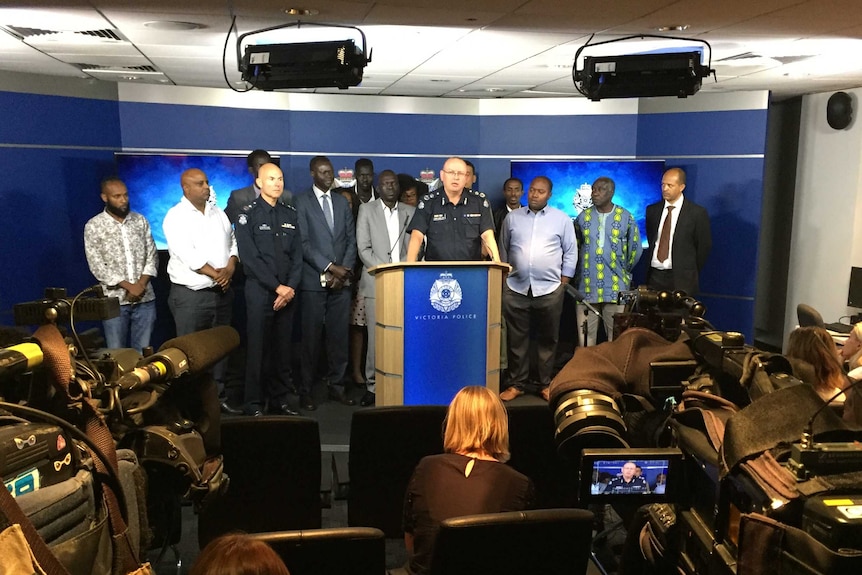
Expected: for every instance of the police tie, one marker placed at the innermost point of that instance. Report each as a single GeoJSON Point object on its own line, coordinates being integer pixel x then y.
{"type": "Point", "coordinates": [664, 240]}
{"type": "Point", "coordinates": [327, 212]}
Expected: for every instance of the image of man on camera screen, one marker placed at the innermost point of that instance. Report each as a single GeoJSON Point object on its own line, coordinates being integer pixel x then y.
{"type": "Point", "coordinates": [628, 482]}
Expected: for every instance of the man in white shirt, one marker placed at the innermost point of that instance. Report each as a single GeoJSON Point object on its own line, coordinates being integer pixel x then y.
{"type": "Point", "coordinates": [203, 257]}
{"type": "Point", "coordinates": [122, 255]}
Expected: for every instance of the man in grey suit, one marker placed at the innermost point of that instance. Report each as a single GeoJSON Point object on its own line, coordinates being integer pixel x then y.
{"type": "Point", "coordinates": [240, 200]}
{"type": "Point", "coordinates": [328, 254]}
{"type": "Point", "coordinates": [380, 239]}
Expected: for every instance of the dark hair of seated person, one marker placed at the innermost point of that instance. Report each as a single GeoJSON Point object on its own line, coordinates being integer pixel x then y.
{"type": "Point", "coordinates": [238, 554]}
{"type": "Point", "coordinates": [815, 346]}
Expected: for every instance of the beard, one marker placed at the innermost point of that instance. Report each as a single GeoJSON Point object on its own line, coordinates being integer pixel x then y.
{"type": "Point", "coordinates": [119, 212]}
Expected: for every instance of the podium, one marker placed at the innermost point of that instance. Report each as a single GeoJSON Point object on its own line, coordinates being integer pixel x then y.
{"type": "Point", "coordinates": [438, 330]}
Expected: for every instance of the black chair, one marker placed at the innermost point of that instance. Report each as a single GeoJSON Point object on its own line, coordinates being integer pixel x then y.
{"type": "Point", "coordinates": [534, 453]}
{"type": "Point", "coordinates": [386, 443]}
{"type": "Point", "coordinates": [341, 550]}
{"type": "Point", "coordinates": [808, 316]}
{"type": "Point", "coordinates": [546, 541]}
{"type": "Point", "coordinates": [274, 467]}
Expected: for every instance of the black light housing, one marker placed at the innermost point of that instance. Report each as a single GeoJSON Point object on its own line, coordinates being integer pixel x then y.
{"type": "Point", "coordinates": [330, 64]}
{"type": "Point", "coordinates": [640, 75]}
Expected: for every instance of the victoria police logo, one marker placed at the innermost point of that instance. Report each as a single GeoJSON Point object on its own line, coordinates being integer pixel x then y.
{"type": "Point", "coordinates": [445, 293]}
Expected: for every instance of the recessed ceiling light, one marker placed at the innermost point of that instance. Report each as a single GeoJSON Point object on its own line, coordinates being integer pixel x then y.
{"type": "Point", "coordinates": [301, 11]}
{"type": "Point", "coordinates": [673, 28]}
{"type": "Point", "coordinates": [438, 80]}
{"type": "Point", "coordinates": [172, 25]}
{"type": "Point", "coordinates": [129, 78]}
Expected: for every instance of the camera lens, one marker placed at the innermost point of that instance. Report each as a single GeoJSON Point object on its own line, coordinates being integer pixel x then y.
{"type": "Point", "coordinates": [586, 418]}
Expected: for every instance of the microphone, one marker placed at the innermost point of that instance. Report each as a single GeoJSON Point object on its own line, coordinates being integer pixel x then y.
{"type": "Point", "coordinates": [398, 237]}
{"type": "Point", "coordinates": [191, 354]}
{"type": "Point", "coordinates": [581, 298]}
{"type": "Point", "coordinates": [19, 358]}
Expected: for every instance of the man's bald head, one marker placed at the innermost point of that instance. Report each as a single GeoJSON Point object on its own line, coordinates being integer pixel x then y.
{"type": "Point", "coordinates": [196, 187]}
{"type": "Point", "coordinates": [270, 180]}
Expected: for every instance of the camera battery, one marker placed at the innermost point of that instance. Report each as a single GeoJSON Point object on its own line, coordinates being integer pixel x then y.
{"type": "Point", "coordinates": [834, 520]}
{"type": "Point", "coordinates": [34, 455]}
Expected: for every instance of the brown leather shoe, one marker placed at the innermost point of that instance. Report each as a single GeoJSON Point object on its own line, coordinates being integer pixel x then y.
{"type": "Point", "coordinates": [511, 393]}
{"type": "Point", "coordinates": [546, 394]}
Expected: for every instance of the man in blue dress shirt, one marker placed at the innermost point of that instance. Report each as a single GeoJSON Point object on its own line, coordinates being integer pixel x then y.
{"type": "Point", "coordinates": [539, 242]}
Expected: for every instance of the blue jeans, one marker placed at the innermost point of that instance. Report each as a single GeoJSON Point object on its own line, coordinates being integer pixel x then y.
{"type": "Point", "coordinates": [132, 328]}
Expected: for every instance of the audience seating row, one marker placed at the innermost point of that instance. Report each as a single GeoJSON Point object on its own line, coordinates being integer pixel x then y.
{"type": "Point", "coordinates": [275, 468]}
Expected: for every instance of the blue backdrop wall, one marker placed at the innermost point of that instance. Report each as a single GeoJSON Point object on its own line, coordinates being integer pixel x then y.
{"type": "Point", "coordinates": [57, 148]}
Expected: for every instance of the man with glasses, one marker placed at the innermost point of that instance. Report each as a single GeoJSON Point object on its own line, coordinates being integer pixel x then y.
{"type": "Point", "coordinates": [457, 223]}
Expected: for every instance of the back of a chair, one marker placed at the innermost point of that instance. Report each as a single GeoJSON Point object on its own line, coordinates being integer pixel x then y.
{"type": "Point", "coordinates": [341, 550]}
{"type": "Point", "coordinates": [386, 443]}
{"type": "Point", "coordinates": [808, 316]}
{"type": "Point", "coordinates": [534, 453]}
{"type": "Point", "coordinates": [274, 467]}
{"type": "Point", "coordinates": [546, 541]}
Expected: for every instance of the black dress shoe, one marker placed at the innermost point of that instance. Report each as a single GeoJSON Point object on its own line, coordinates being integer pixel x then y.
{"type": "Point", "coordinates": [283, 410]}
{"type": "Point", "coordinates": [306, 402]}
{"type": "Point", "coordinates": [370, 398]}
{"type": "Point", "coordinates": [228, 410]}
{"type": "Point", "coordinates": [339, 395]}
{"type": "Point", "coordinates": [255, 412]}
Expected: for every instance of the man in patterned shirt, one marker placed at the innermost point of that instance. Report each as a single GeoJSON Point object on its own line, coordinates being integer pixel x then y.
{"type": "Point", "coordinates": [122, 255]}
{"type": "Point", "coordinates": [610, 246]}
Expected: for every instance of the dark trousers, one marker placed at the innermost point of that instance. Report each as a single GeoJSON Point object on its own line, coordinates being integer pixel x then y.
{"type": "Point", "coordinates": [538, 317]}
{"type": "Point", "coordinates": [324, 311]}
{"type": "Point", "coordinates": [195, 310]}
{"type": "Point", "coordinates": [661, 280]}
{"type": "Point", "coordinates": [268, 350]}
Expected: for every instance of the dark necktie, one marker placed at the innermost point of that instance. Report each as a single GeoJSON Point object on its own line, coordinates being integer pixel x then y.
{"type": "Point", "coordinates": [327, 212]}
{"type": "Point", "coordinates": [664, 240]}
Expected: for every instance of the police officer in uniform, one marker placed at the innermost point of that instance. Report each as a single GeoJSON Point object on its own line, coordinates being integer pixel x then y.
{"type": "Point", "coordinates": [628, 482]}
{"type": "Point", "coordinates": [457, 222]}
{"type": "Point", "coordinates": [270, 248]}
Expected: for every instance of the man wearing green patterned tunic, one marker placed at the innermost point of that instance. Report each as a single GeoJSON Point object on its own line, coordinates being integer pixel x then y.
{"type": "Point", "coordinates": [610, 246]}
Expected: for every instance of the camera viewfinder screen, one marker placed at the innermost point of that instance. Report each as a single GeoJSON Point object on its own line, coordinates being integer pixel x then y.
{"type": "Point", "coordinates": [629, 476]}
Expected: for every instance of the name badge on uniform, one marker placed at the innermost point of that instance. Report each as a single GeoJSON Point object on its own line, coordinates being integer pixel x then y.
{"type": "Point", "coordinates": [288, 226]}
{"type": "Point", "coordinates": [264, 227]}
{"type": "Point", "coordinates": [439, 217]}
{"type": "Point", "coordinates": [472, 215]}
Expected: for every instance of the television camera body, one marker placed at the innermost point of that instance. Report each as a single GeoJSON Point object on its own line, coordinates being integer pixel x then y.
{"type": "Point", "coordinates": [763, 460]}
{"type": "Point", "coordinates": [163, 406]}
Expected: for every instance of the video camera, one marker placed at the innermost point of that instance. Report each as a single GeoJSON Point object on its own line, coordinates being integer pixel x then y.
{"type": "Point", "coordinates": [163, 406]}
{"type": "Point", "coordinates": [756, 456]}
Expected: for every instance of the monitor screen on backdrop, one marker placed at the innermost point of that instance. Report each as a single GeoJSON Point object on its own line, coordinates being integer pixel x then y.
{"type": "Point", "coordinates": [637, 183]}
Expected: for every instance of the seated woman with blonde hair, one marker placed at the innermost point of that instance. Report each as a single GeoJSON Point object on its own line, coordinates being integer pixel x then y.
{"type": "Point", "coordinates": [469, 478]}
{"type": "Point", "coordinates": [815, 347]}
{"type": "Point", "coordinates": [238, 554]}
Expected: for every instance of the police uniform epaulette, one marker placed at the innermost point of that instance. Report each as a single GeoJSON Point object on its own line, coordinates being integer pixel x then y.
{"type": "Point", "coordinates": [431, 195]}
{"type": "Point", "coordinates": [477, 193]}
{"type": "Point", "coordinates": [290, 206]}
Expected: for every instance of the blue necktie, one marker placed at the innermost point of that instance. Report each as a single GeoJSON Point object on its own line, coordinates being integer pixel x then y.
{"type": "Point", "coordinates": [327, 213]}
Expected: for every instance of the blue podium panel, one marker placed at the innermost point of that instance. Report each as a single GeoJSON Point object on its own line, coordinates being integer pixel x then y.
{"type": "Point", "coordinates": [445, 332]}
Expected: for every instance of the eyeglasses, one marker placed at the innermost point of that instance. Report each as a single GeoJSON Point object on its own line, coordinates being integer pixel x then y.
{"type": "Point", "coordinates": [454, 173]}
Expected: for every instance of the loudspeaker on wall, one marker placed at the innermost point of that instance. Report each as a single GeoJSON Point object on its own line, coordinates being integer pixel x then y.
{"type": "Point", "coordinates": [839, 110]}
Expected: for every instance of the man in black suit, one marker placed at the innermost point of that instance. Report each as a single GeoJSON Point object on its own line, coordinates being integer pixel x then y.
{"type": "Point", "coordinates": [679, 237]}
{"type": "Point", "coordinates": [240, 200]}
{"type": "Point", "coordinates": [513, 189]}
{"type": "Point", "coordinates": [328, 253]}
